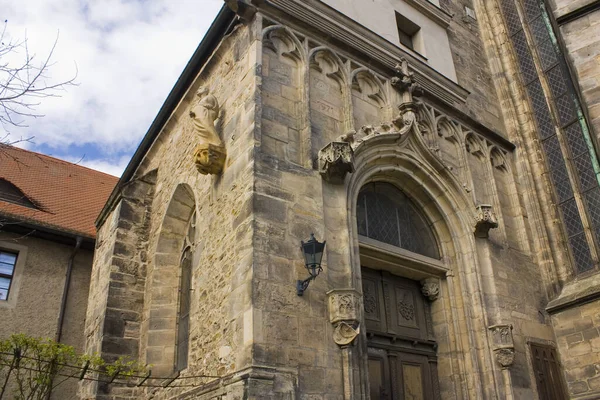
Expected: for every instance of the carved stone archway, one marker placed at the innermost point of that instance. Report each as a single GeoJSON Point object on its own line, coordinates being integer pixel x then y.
{"type": "Point", "coordinates": [401, 157]}
{"type": "Point", "coordinates": [164, 281]}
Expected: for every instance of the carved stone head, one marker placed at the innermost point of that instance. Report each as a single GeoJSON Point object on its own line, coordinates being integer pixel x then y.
{"type": "Point", "coordinates": [202, 91]}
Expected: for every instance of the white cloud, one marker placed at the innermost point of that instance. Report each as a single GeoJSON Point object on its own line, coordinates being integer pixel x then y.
{"type": "Point", "coordinates": [113, 167]}
{"type": "Point", "coordinates": [128, 54]}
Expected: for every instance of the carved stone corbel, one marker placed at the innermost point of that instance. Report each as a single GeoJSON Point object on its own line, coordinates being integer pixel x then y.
{"type": "Point", "coordinates": [430, 287]}
{"type": "Point", "coordinates": [344, 308]}
{"type": "Point", "coordinates": [485, 219]}
{"type": "Point", "coordinates": [209, 158]}
{"type": "Point", "coordinates": [503, 345]}
{"type": "Point", "coordinates": [335, 161]}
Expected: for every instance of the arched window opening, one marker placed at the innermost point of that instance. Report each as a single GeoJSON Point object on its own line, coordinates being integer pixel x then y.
{"type": "Point", "coordinates": [386, 214]}
{"type": "Point", "coordinates": [185, 288]}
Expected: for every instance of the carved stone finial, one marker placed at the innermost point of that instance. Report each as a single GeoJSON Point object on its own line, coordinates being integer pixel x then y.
{"type": "Point", "coordinates": [335, 161]}
{"type": "Point", "coordinates": [210, 154]}
{"type": "Point", "coordinates": [405, 80]}
{"type": "Point", "coordinates": [344, 308]}
{"type": "Point", "coordinates": [430, 288]}
{"type": "Point", "coordinates": [503, 345]}
{"type": "Point", "coordinates": [485, 220]}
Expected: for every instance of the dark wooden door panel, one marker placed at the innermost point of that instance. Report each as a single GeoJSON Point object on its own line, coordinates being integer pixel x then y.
{"type": "Point", "coordinates": [548, 374]}
{"type": "Point", "coordinates": [395, 313]}
{"type": "Point", "coordinates": [380, 386]}
{"type": "Point", "coordinates": [373, 301]}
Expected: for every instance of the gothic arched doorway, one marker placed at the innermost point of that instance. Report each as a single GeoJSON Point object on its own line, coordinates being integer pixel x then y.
{"type": "Point", "coordinates": [395, 241]}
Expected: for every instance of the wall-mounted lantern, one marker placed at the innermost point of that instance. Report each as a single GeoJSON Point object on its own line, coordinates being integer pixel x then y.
{"type": "Point", "coordinates": [313, 253]}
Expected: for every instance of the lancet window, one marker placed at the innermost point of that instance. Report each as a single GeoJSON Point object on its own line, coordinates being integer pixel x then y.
{"type": "Point", "coordinates": [185, 289]}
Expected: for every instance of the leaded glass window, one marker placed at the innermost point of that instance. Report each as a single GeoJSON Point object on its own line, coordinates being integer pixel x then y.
{"type": "Point", "coordinates": [577, 155]}
{"type": "Point", "coordinates": [386, 214]}
{"type": "Point", "coordinates": [185, 288]}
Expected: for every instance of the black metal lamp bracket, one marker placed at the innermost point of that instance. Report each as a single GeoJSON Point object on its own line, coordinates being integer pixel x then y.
{"type": "Point", "coordinates": [301, 286]}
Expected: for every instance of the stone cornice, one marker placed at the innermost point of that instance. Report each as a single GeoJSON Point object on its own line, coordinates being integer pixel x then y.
{"type": "Point", "coordinates": [576, 293]}
{"type": "Point", "coordinates": [432, 11]}
{"type": "Point", "coordinates": [353, 36]}
{"type": "Point", "coordinates": [575, 11]}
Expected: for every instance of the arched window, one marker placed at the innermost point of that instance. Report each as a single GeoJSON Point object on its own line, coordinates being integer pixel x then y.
{"type": "Point", "coordinates": [185, 287]}
{"type": "Point", "coordinates": [385, 214]}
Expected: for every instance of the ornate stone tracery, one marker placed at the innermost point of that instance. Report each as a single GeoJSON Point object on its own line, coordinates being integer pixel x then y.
{"type": "Point", "coordinates": [326, 61]}
{"type": "Point", "coordinates": [282, 42]}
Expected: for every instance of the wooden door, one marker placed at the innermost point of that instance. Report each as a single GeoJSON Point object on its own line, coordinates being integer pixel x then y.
{"type": "Point", "coordinates": [401, 350]}
{"type": "Point", "coordinates": [548, 373]}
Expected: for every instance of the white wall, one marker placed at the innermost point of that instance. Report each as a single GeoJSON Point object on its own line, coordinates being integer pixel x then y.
{"type": "Point", "coordinates": [379, 16]}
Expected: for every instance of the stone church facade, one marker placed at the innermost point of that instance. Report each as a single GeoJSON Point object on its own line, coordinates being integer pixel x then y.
{"type": "Point", "coordinates": [445, 151]}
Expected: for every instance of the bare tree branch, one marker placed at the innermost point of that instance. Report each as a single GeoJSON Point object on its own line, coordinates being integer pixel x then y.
{"type": "Point", "coordinates": [24, 81]}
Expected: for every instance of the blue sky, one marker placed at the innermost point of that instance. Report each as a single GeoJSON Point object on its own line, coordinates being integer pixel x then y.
{"type": "Point", "coordinates": [127, 55]}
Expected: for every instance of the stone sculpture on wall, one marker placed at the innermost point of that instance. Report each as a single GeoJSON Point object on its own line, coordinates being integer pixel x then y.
{"type": "Point", "coordinates": [430, 287]}
{"type": "Point", "coordinates": [502, 341]}
{"type": "Point", "coordinates": [344, 306]}
{"type": "Point", "coordinates": [335, 161]}
{"type": "Point", "coordinates": [210, 154]}
{"type": "Point", "coordinates": [485, 220]}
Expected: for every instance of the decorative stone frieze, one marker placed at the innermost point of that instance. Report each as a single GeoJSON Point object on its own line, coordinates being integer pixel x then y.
{"type": "Point", "coordinates": [430, 288]}
{"type": "Point", "coordinates": [485, 219]}
{"type": "Point", "coordinates": [335, 161]}
{"type": "Point", "coordinates": [210, 154]}
{"type": "Point", "coordinates": [502, 344]}
{"type": "Point", "coordinates": [344, 309]}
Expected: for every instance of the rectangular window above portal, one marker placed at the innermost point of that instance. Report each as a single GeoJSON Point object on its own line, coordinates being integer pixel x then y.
{"type": "Point", "coordinates": [416, 26]}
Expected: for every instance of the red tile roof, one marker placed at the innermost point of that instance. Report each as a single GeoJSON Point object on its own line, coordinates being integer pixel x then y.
{"type": "Point", "coordinates": [69, 196]}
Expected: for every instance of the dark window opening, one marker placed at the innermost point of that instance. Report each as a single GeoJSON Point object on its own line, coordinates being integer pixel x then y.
{"type": "Point", "coordinates": [185, 290]}
{"type": "Point", "coordinates": [7, 271]}
{"type": "Point", "coordinates": [407, 31]}
{"type": "Point", "coordinates": [12, 194]}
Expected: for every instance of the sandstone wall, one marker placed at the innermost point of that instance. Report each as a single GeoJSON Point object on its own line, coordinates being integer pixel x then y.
{"type": "Point", "coordinates": [472, 67]}
{"type": "Point", "coordinates": [292, 201]}
{"type": "Point", "coordinates": [579, 345]}
{"type": "Point", "coordinates": [136, 271]}
{"type": "Point", "coordinates": [286, 91]}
